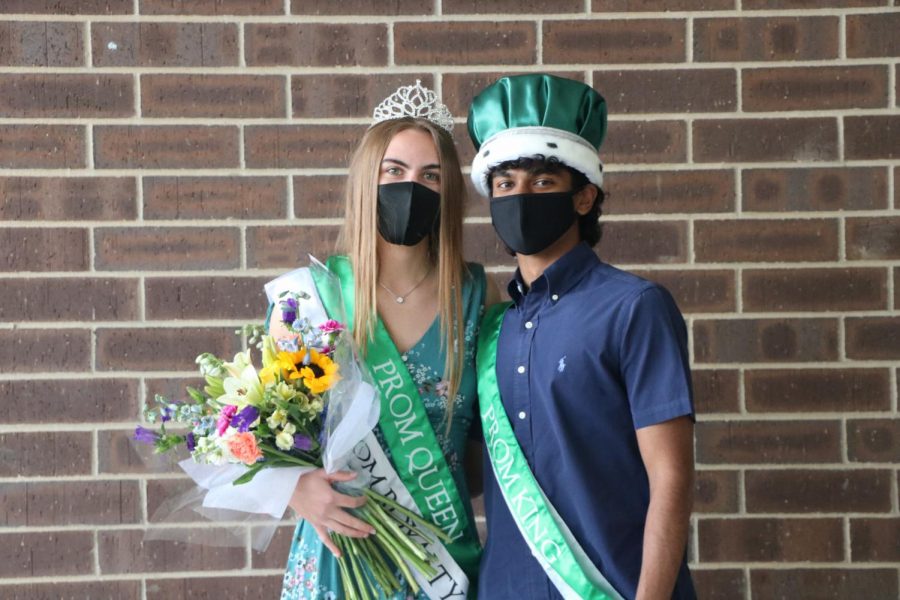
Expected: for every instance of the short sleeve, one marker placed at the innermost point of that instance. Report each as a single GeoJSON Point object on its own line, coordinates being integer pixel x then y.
{"type": "Point", "coordinates": [654, 358]}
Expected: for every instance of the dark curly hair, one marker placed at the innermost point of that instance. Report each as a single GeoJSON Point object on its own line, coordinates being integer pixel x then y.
{"type": "Point", "coordinates": [589, 228]}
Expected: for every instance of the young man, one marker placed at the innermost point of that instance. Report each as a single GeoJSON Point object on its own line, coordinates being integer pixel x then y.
{"type": "Point", "coordinates": [584, 382]}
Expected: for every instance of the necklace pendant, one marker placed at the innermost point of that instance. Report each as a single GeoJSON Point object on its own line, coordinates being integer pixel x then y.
{"type": "Point", "coordinates": [400, 300]}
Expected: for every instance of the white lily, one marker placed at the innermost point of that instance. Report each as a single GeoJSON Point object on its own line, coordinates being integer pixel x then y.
{"type": "Point", "coordinates": [243, 389]}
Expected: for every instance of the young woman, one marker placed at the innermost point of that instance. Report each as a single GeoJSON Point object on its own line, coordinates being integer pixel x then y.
{"type": "Point", "coordinates": [402, 237]}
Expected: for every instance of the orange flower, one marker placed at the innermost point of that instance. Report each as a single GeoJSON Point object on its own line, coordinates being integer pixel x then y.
{"type": "Point", "coordinates": [243, 447]}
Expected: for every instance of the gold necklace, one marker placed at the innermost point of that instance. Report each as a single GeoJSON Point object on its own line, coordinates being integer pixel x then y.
{"type": "Point", "coordinates": [401, 298]}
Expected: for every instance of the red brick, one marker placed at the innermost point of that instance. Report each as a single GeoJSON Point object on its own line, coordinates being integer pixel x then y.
{"type": "Point", "coordinates": [33, 249]}
{"type": "Point", "coordinates": [300, 146]}
{"type": "Point", "coordinates": [825, 584]}
{"type": "Point", "coordinates": [807, 4]}
{"type": "Point", "coordinates": [45, 453]}
{"type": "Point", "coordinates": [42, 146]}
{"type": "Point", "coordinates": [46, 554]}
{"type": "Point", "coordinates": [465, 43]}
{"type": "Point", "coordinates": [668, 91]}
{"type": "Point", "coordinates": [68, 7]}
{"type": "Point", "coordinates": [65, 95]}
{"type": "Point", "coordinates": [765, 140]}
{"type": "Point", "coordinates": [644, 242]}
{"type": "Point", "coordinates": [816, 390]}
{"type": "Point", "coordinates": [172, 388]}
{"type": "Point", "coordinates": [719, 584]}
{"type": "Point", "coordinates": [458, 89]}
{"type": "Point", "coordinates": [765, 38]}
{"type": "Point", "coordinates": [118, 453]}
{"type": "Point", "coordinates": [211, 7]}
{"type": "Point", "coordinates": [41, 44]}
{"type": "Point", "coordinates": [830, 491]}
{"type": "Point", "coordinates": [827, 188]}
{"type": "Point", "coordinates": [481, 244]}
{"type": "Point", "coordinates": [288, 247]}
{"type": "Point", "coordinates": [715, 491]}
{"type": "Point", "coordinates": [164, 494]}
{"type": "Point", "coordinates": [873, 440]}
{"type": "Point", "coordinates": [872, 137]}
{"type": "Point", "coordinates": [599, 6]}
{"type": "Point", "coordinates": [662, 192]}
{"type": "Point", "coordinates": [873, 238]}
{"type": "Point", "coordinates": [765, 340]}
{"type": "Point", "coordinates": [36, 350]}
{"type": "Point", "coordinates": [42, 504]}
{"type": "Point", "coordinates": [215, 198]}
{"type": "Point", "coordinates": [206, 297]}
{"type": "Point", "coordinates": [91, 590]}
{"type": "Point", "coordinates": [873, 338]}
{"type": "Point", "coordinates": [215, 588]}
{"type": "Point", "coordinates": [766, 240]}
{"type": "Point", "coordinates": [153, 44]}
{"type": "Point", "coordinates": [279, 547]}
{"type": "Point", "coordinates": [362, 7]}
{"type": "Point", "coordinates": [697, 291]}
{"type": "Point", "coordinates": [768, 442]}
{"type": "Point", "coordinates": [86, 401]}
{"type": "Point", "coordinates": [245, 96]}
{"type": "Point", "coordinates": [509, 7]}
{"type": "Point", "coordinates": [316, 44]}
{"type": "Point", "coordinates": [614, 41]}
{"type": "Point", "coordinates": [873, 35]}
{"type": "Point", "coordinates": [716, 391]}
{"type": "Point", "coordinates": [161, 349]}
{"type": "Point", "coordinates": [770, 290]}
{"type": "Point", "coordinates": [336, 95]}
{"type": "Point", "coordinates": [48, 299]}
{"type": "Point", "coordinates": [318, 196]}
{"type": "Point", "coordinates": [165, 147]}
{"type": "Point", "coordinates": [167, 248]}
{"type": "Point", "coordinates": [128, 552]}
{"type": "Point", "coordinates": [875, 540]}
{"type": "Point", "coordinates": [770, 540]}
{"type": "Point", "coordinates": [814, 88]}
{"type": "Point", "coordinates": [645, 142]}
{"type": "Point", "coordinates": [67, 198]}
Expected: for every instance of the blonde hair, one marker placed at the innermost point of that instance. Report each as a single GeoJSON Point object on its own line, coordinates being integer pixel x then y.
{"type": "Point", "coordinates": [358, 239]}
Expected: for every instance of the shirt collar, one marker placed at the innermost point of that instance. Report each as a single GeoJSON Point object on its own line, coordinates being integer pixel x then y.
{"type": "Point", "coordinates": [558, 278]}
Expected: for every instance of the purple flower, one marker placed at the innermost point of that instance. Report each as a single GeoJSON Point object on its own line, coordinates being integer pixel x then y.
{"type": "Point", "coordinates": [289, 310]}
{"type": "Point", "coordinates": [190, 441]}
{"type": "Point", "coordinates": [302, 442]}
{"type": "Point", "coordinates": [145, 436]}
{"type": "Point", "coordinates": [167, 413]}
{"type": "Point", "coordinates": [245, 418]}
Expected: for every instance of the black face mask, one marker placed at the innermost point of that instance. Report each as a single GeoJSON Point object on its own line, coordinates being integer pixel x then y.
{"type": "Point", "coordinates": [530, 223]}
{"type": "Point", "coordinates": [407, 212]}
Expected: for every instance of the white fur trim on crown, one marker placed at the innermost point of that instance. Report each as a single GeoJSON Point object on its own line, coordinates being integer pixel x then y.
{"type": "Point", "coordinates": [520, 142]}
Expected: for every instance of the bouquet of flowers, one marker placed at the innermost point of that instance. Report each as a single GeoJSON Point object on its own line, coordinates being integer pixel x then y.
{"type": "Point", "coordinates": [302, 408]}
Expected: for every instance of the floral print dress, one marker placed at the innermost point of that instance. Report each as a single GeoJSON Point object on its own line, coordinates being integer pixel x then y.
{"type": "Point", "coordinates": [312, 571]}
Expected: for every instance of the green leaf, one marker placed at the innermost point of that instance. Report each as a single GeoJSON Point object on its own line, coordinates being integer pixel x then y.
{"type": "Point", "coordinates": [249, 475]}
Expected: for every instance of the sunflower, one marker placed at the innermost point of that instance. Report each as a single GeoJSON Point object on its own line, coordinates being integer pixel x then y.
{"type": "Point", "coordinates": [319, 374]}
{"type": "Point", "coordinates": [285, 363]}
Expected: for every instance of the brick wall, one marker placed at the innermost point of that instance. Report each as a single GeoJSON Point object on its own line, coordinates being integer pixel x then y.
{"type": "Point", "coordinates": [160, 159]}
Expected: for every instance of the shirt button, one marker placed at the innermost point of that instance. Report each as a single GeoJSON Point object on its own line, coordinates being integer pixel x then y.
{"type": "Point", "coordinates": [554, 297]}
{"type": "Point", "coordinates": [522, 414]}
{"type": "Point", "coordinates": [529, 325]}
{"type": "Point", "coordinates": [521, 369]}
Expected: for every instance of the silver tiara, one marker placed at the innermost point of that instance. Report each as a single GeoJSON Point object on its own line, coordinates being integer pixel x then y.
{"type": "Point", "coordinates": [414, 101]}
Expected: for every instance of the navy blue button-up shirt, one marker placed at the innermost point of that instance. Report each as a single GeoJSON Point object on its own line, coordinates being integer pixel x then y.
{"type": "Point", "coordinates": [587, 356]}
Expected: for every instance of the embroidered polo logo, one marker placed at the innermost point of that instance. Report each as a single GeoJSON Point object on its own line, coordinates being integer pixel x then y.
{"type": "Point", "coordinates": [562, 364]}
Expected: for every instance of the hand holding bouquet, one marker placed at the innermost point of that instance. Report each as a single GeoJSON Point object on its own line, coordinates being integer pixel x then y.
{"type": "Point", "coordinates": [307, 406]}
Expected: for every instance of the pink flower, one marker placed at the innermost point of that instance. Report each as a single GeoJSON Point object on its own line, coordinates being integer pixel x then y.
{"type": "Point", "coordinates": [225, 415]}
{"type": "Point", "coordinates": [331, 326]}
{"type": "Point", "coordinates": [243, 447]}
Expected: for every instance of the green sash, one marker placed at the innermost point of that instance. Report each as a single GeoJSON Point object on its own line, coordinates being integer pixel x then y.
{"type": "Point", "coordinates": [550, 540]}
{"type": "Point", "coordinates": [415, 451]}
